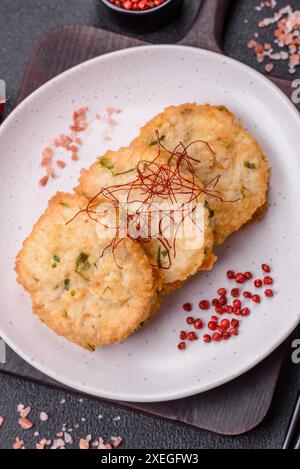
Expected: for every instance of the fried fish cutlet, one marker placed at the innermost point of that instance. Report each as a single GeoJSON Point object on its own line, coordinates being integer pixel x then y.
{"type": "Point", "coordinates": [119, 168]}
{"type": "Point", "coordinates": [89, 297]}
{"type": "Point", "coordinates": [238, 165]}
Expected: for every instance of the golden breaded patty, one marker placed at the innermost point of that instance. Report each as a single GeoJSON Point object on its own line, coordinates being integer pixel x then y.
{"type": "Point", "coordinates": [238, 161]}
{"type": "Point", "coordinates": [83, 294]}
{"type": "Point", "coordinates": [119, 168]}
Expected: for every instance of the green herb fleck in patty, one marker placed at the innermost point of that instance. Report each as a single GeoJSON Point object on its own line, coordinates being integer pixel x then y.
{"type": "Point", "coordinates": [82, 262]}
{"type": "Point", "coordinates": [249, 165]}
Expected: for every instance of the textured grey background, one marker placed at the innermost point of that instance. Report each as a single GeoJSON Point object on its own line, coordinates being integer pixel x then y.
{"type": "Point", "coordinates": [21, 24]}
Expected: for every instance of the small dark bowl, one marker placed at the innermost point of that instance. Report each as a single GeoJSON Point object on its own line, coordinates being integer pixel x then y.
{"type": "Point", "coordinates": [147, 20]}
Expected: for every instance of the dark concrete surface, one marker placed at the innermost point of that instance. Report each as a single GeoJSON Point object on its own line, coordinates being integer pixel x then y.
{"type": "Point", "coordinates": [21, 24]}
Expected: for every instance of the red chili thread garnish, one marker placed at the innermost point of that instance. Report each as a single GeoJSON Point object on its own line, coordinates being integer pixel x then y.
{"type": "Point", "coordinates": [154, 180]}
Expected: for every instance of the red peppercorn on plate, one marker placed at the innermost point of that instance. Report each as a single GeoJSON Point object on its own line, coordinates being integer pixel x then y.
{"type": "Point", "coordinates": [220, 323]}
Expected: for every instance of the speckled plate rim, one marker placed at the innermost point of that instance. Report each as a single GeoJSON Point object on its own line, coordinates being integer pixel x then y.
{"type": "Point", "coordinates": [119, 396]}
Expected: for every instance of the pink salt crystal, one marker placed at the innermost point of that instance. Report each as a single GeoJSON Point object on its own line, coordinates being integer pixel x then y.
{"type": "Point", "coordinates": [25, 412]}
{"type": "Point", "coordinates": [84, 444]}
{"type": "Point", "coordinates": [61, 164]}
{"type": "Point", "coordinates": [18, 444]}
{"type": "Point", "coordinates": [116, 441]}
{"type": "Point", "coordinates": [44, 417]}
{"type": "Point", "coordinates": [25, 424]}
{"type": "Point", "coordinates": [269, 67]}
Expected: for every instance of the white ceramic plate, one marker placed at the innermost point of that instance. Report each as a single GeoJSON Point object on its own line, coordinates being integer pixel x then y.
{"type": "Point", "coordinates": [142, 81]}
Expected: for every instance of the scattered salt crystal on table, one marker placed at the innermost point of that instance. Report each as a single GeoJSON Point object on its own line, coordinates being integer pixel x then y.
{"type": "Point", "coordinates": [286, 36]}
{"type": "Point", "coordinates": [269, 67]}
{"type": "Point", "coordinates": [116, 441]}
{"type": "Point", "coordinates": [25, 412]}
{"type": "Point", "coordinates": [44, 417]}
{"type": "Point", "coordinates": [25, 424]}
{"type": "Point", "coordinates": [84, 444]}
{"type": "Point", "coordinates": [18, 444]}
{"type": "Point", "coordinates": [68, 439]}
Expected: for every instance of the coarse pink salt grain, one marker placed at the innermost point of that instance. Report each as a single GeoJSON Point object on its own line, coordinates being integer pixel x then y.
{"type": "Point", "coordinates": [25, 424]}
{"type": "Point", "coordinates": [112, 110]}
{"type": "Point", "coordinates": [44, 417]}
{"type": "Point", "coordinates": [47, 156]}
{"type": "Point", "coordinates": [84, 444]}
{"type": "Point", "coordinates": [18, 444]}
{"type": "Point", "coordinates": [116, 441]}
{"type": "Point", "coordinates": [20, 407]}
{"type": "Point", "coordinates": [61, 164]}
{"type": "Point", "coordinates": [1, 420]}
{"type": "Point", "coordinates": [112, 122]}
{"type": "Point", "coordinates": [286, 37]}
{"type": "Point", "coordinates": [58, 444]}
{"type": "Point", "coordinates": [251, 44]}
{"type": "Point", "coordinates": [50, 171]}
{"type": "Point", "coordinates": [295, 59]}
{"type": "Point", "coordinates": [75, 157]}
{"type": "Point", "coordinates": [269, 67]}
{"type": "Point", "coordinates": [44, 181]}
{"type": "Point", "coordinates": [25, 412]}
{"type": "Point", "coordinates": [68, 439]}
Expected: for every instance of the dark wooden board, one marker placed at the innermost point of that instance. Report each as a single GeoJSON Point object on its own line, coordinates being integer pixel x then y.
{"type": "Point", "coordinates": [236, 407]}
